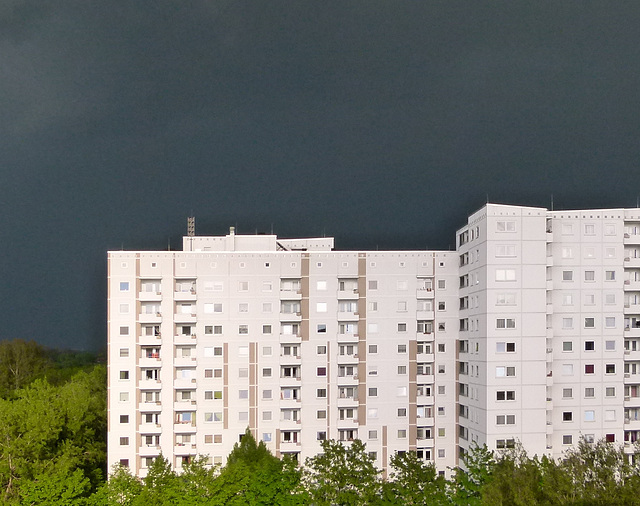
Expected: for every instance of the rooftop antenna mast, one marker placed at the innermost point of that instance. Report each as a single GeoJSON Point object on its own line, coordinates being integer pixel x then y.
{"type": "Point", "coordinates": [552, 201]}
{"type": "Point", "coordinates": [191, 230]}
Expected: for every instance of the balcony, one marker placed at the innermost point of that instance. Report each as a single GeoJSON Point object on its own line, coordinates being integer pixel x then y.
{"type": "Point", "coordinates": [185, 361]}
{"type": "Point", "coordinates": [150, 340]}
{"type": "Point", "coordinates": [290, 294]}
{"type": "Point", "coordinates": [347, 380]}
{"type": "Point", "coordinates": [154, 407]}
{"type": "Point", "coordinates": [348, 294]}
{"type": "Point", "coordinates": [632, 262]}
{"type": "Point", "coordinates": [424, 293]}
{"type": "Point", "coordinates": [425, 379]}
{"type": "Point", "coordinates": [348, 316]}
{"type": "Point", "coordinates": [631, 239]}
{"type": "Point", "coordinates": [425, 357]}
{"type": "Point", "coordinates": [184, 318]}
{"type": "Point", "coordinates": [184, 383]}
{"type": "Point", "coordinates": [290, 317]}
{"type": "Point", "coordinates": [150, 317]}
{"type": "Point", "coordinates": [632, 332]}
{"type": "Point", "coordinates": [149, 384]}
{"type": "Point", "coordinates": [184, 426]}
{"type": "Point", "coordinates": [347, 359]}
{"type": "Point", "coordinates": [150, 296]}
{"type": "Point", "coordinates": [154, 361]}
{"type": "Point", "coordinates": [425, 400]}
{"type": "Point", "coordinates": [150, 428]}
{"type": "Point", "coordinates": [425, 315]}
{"type": "Point", "coordinates": [184, 339]}
{"type": "Point", "coordinates": [184, 296]}
{"type": "Point", "coordinates": [185, 449]}
{"type": "Point", "coordinates": [184, 405]}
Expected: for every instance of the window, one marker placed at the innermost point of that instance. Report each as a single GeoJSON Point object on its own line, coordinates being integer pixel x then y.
{"type": "Point", "coordinates": [373, 348]}
{"type": "Point", "coordinates": [589, 299]}
{"type": "Point", "coordinates": [505, 419]}
{"type": "Point", "coordinates": [502, 347]}
{"type": "Point", "coordinates": [589, 323]}
{"type": "Point", "coordinates": [442, 284]}
{"type": "Point", "coordinates": [402, 434]}
{"type": "Point", "coordinates": [373, 434]}
{"type": "Point", "coordinates": [402, 369]}
{"type": "Point", "coordinates": [373, 284]}
{"type": "Point", "coordinates": [243, 329]}
{"type": "Point", "coordinates": [505, 250]}
{"type": "Point", "coordinates": [610, 298]}
{"type": "Point", "coordinates": [567, 252]}
{"type": "Point", "coordinates": [124, 396]}
{"type": "Point", "coordinates": [506, 395]}
{"type": "Point", "coordinates": [402, 348]}
{"type": "Point", "coordinates": [610, 391]}
{"type": "Point", "coordinates": [402, 327]}
{"type": "Point", "coordinates": [506, 323]}
{"type": "Point", "coordinates": [589, 415]}
{"type": "Point", "coordinates": [124, 331]}
{"type": "Point", "coordinates": [321, 350]}
{"type": "Point", "coordinates": [266, 329]}
{"type": "Point", "coordinates": [610, 322]}
{"type": "Point", "coordinates": [322, 371]}
{"type": "Point", "coordinates": [589, 229]}
{"type": "Point", "coordinates": [321, 414]}
{"type": "Point", "coordinates": [589, 393]}
{"type": "Point", "coordinates": [502, 371]}
{"type": "Point", "coordinates": [401, 391]}
{"type": "Point", "coordinates": [124, 418]}
{"type": "Point", "coordinates": [567, 416]}
{"type": "Point", "coordinates": [610, 275]}
{"type": "Point", "coordinates": [506, 299]}
{"type": "Point", "coordinates": [373, 392]}
{"type": "Point", "coordinates": [506, 226]}
{"type": "Point", "coordinates": [589, 345]}
{"type": "Point", "coordinates": [124, 375]}
{"type": "Point", "coordinates": [243, 372]}
{"type": "Point", "coordinates": [124, 286]}
{"type": "Point", "coordinates": [321, 307]}
{"type": "Point", "coordinates": [589, 368]}
{"type": "Point", "coordinates": [321, 393]}
{"type": "Point", "coordinates": [610, 345]}
{"type": "Point", "coordinates": [505, 274]}
{"type": "Point", "coordinates": [610, 369]}
{"type": "Point", "coordinates": [567, 439]}
{"type": "Point", "coordinates": [589, 275]}
{"type": "Point", "coordinates": [321, 436]}
{"type": "Point", "coordinates": [402, 412]}
{"type": "Point", "coordinates": [567, 275]}
{"type": "Point", "coordinates": [567, 323]}
{"type": "Point", "coordinates": [441, 347]}
{"type": "Point", "coordinates": [567, 299]}
{"type": "Point", "coordinates": [266, 372]}
{"type": "Point", "coordinates": [567, 393]}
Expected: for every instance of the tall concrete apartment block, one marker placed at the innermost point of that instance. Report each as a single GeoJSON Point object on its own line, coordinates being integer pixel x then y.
{"type": "Point", "coordinates": [287, 337]}
{"type": "Point", "coordinates": [529, 332]}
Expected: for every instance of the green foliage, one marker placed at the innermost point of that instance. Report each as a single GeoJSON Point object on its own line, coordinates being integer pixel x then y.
{"type": "Point", "coordinates": [343, 475]}
{"type": "Point", "coordinates": [20, 363]}
{"type": "Point", "coordinates": [414, 482]}
{"type": "Point", "coordinates": [47, 431]}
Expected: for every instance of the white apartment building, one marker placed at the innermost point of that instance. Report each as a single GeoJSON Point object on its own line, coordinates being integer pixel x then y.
{"type": "Point", "coordinates": [287, 337]}
{"type": "Point", "coordinates": [528, 332]}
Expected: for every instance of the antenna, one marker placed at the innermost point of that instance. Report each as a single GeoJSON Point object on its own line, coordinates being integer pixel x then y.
{"type": "Point", "coordinates": [168, 243]}
{"type": "Point", "coordinates": [552, 201]}
{"type": "Point", "coordinates": [191, 226]}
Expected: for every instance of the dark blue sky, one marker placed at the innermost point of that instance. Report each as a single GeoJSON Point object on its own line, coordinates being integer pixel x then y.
{"type": "Point", "coordinates": [380, 123]}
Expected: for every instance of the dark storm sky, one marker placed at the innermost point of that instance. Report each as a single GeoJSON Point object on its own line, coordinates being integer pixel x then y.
{"type": "Point", "coordinates": [380, 123]}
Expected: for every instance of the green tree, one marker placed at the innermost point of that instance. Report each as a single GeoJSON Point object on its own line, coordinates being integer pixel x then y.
{"type": "Point", "coordinates": [479, 464]}
{"type": "Point", "coordinates": [20, 363]}
{"type": "Point", "coordinates": [48, 430]}
{"type": "Point", "coordinates": [414, 482]}
{"type": "Point", "coordinates": [343, 475]}
{"type": "Point", "coordinates": [254, 476]}
{"type": "Point", "coordinates": [55, 488]}
{"type": "Point", "coordinates": [516, 480]}
{"type": "Point", "coordinates": [122, 489]}
{"type": "Point", "coordinates": [160, 486]}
